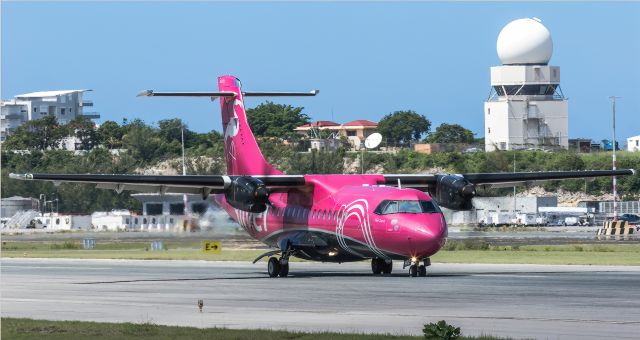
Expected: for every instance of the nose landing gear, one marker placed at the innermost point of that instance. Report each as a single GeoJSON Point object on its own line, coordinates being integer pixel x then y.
{"type": "Point", "coordinates": [381, 266]}
{"type": "Point", "coordinates": [416, 269]}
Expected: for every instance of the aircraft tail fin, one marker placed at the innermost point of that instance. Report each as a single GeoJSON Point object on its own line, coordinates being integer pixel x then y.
{"type": "Point", "coordinates": [242, 154]}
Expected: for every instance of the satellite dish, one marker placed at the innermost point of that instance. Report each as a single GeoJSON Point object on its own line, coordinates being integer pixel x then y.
{"type": "Point", "coordinates": [373, 140]}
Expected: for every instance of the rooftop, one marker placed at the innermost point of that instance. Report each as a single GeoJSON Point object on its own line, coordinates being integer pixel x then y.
{"type": "Point", "coordinates": [360, 122]}
{"type": "Point", "coordinates": [48, 93]}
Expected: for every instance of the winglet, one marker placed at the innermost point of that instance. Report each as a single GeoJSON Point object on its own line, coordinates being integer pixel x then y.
{"type": "Point", "coordinates": [22, 177]}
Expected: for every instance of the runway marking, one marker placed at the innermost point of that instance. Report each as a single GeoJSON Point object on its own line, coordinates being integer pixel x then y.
{"type": "Point", "coordinates": [175, 280]}
{"type": "Point", "coordinates": [511, 275]}
{"type": "Point", "coordinates": [53, 267]}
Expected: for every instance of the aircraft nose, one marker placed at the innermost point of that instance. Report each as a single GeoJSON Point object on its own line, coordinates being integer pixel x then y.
{"type": "Point", "coordinates": [429, 237]}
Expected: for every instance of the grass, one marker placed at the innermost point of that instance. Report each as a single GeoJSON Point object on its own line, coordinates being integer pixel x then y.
{"type": "Point", "coordinates": [454, 252]}
{"type": "Point", "coordinates": [24, 329]}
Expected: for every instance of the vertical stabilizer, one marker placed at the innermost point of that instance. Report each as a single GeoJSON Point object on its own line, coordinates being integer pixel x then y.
{"type": "Point", "coordinates": [242, 154]}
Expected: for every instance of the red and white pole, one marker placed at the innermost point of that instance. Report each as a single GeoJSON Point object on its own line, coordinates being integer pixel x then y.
{"type": "Point", "coordinates": [613, 144]}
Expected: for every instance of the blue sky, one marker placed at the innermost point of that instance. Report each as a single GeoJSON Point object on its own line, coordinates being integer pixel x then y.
{"type": "Point", "coordinates": [367, 59]}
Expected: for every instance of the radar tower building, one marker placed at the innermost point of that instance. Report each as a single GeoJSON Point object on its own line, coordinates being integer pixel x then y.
{"type": "Point", "coordinates": [526, 108]}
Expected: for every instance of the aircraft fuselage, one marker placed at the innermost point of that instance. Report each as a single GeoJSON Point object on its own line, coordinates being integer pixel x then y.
{"type": "Point", "coordinates": [335, 220]}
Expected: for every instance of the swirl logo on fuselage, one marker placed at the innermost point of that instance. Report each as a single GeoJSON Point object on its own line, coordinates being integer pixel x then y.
{"type": "Point", "coordinates": [359, 210]}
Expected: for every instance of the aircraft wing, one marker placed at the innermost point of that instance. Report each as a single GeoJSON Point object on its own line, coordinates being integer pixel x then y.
{"type": "Point", "coordinates": [500, 179]}
{"type": "Point", "coordinates": [203, 185]}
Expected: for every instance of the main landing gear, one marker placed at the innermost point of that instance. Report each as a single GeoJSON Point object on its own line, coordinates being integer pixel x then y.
{"type": "Point", "coordinates": [416, 269]}
{"type": "Point", "coordinates": [280, 267]}
{"type": "Point", "coordinates": [381, 266]}
{"type": "Point", "coordinates": [277, 267]}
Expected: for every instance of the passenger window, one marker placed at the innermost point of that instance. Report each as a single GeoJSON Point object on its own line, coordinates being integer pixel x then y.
{"type": "Point", "coordinates": [335, 215]}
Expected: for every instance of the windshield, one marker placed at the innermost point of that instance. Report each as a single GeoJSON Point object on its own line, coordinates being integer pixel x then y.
{"type": "Point", "coordinates": [406, 207]}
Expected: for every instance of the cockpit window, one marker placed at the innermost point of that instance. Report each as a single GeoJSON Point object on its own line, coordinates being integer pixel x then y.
{"type": "Point", "coordinates": [390, 208]}
{"type": "Point", "coordinates": [407, 207]}
{"type": "Point", "coordinates": [410, 207]}
{"type": "Point", "coordinates": [430, 207]}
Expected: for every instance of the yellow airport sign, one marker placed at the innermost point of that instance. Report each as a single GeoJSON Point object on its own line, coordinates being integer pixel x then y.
{"type": "Point", "coordinates": [211, 246]}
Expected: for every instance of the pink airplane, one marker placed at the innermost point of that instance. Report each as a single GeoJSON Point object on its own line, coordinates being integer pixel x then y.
{"type": "Point", "coordinates": [328, 218]}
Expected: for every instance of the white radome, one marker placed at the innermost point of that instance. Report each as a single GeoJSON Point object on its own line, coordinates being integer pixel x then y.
{"type": "Point", "coordinates": [525, 41]}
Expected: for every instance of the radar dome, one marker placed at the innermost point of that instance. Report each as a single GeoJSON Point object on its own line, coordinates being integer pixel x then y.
{"type": "Point", "coordinates": [525, 41]}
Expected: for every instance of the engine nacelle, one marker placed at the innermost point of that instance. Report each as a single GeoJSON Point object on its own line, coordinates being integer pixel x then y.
{"type": "Point", "coordinates": [454, 192]}
{"type": "Point", "coordinates": [247, 194]}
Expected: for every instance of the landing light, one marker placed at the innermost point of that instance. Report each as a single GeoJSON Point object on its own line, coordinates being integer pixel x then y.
{"type": "Point", "coordinates": [333, 253]}
{"type": "Point", "coordinates": [414, 259]}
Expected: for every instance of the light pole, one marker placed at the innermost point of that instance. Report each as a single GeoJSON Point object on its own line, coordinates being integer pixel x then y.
{"type": "Point", "coordinates": [613, 147]}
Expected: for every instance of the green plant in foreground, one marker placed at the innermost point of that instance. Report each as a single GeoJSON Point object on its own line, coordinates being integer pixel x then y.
{"type": "Point", "coordinates": [440, 330]}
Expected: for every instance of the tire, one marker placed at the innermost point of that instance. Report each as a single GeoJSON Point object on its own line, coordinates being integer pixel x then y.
{"type": "Point", "coordinates": [387, 267]}
{"type": "Point", "coordinates": [422, 271]}
{"type": "Point", "coordinates": [284, 270]}
{"type": "Point", "coordinates": [413, 270]}
{"type": "Point", "coordinates": [376, 267]}
{"type": "Point", "coordinates": [273, 267]}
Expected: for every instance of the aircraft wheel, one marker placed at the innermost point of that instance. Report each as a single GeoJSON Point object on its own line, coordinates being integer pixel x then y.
{"type": "Point", "coordinates": [376, 266]}
{"type": "Point", "coordinates": [413, 270]}
{"type": "Point", "coordinates": [422, 270]}
{"type": "Point", "coordinates": [273, 267]}
{"type": "Point", "coordinates": [284, 270]}
{"type": "Point", "coordinates": [387, 267]}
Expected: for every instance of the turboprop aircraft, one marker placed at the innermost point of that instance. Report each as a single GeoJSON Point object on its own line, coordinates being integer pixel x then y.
{"type": "Point", "coordinates": [329, 218]}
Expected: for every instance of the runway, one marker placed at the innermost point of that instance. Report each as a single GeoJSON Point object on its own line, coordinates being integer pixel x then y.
{"type": "Point", "coordinates": [520, 301]}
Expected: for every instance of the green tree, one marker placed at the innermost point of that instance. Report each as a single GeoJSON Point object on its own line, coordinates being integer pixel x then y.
{"type": "Point", "coordinates": [403, 127]}
{"type": "Point", "coordinates": [142, 142]}
{"type": "Point", "coordinates": [85, 131]}
{"type": "Point", "coordinates": [110, 134]}
{"type": "Point", "coordinates": [276, 120]}
{"type": "Point", "coordinates": [451, 133]}
{"type": "Point", "coordinates": [38, 134]}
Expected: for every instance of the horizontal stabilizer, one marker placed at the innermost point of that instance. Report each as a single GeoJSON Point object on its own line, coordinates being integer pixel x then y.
{"type": "Point", "coordinates": [151, 93]}
{"type": "Point", "coordinates": [281, 94]}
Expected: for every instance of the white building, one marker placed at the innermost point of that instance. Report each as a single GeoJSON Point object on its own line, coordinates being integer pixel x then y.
{"type": "Point", "coordinates": [64, 222]}
{"type": "Point", "coordinates": [123, 220]}
{"type": "Point", "coordinates": [633, 144]}
{"type": "Point", "coordinates": [65, 105]}
{"type": "Point", "coordinates": [526, 108]}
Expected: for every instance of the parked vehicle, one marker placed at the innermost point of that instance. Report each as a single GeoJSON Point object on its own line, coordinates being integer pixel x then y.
{"type": "Point", "coordinates": [631, 218]}
{"type": "Point", "coordinates": [572, 221]}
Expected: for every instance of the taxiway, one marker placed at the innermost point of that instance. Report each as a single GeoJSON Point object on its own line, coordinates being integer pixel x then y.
{"type": "Point", "coordinates": [520, 301]}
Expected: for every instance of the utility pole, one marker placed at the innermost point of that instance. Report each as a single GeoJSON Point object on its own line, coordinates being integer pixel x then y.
{"type": "Point", "coordinates": [514, 187]}
{"type": "Point", "coordinates": [613, 147]}
{"type": "Point", "coordinates": [185, 210]}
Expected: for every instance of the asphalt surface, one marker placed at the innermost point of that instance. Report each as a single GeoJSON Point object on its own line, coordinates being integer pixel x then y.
{"type": "Point", "coordinates": [521, 301]}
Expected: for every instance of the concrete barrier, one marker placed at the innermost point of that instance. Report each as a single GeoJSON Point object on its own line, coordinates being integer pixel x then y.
{"type": "Point", "coordinates": [616, 228]}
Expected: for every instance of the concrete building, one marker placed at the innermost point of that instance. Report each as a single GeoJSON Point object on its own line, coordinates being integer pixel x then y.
{"type": "Point", "coordinates": [65, 105]}
{"type": "Point", "coordinates": [633, 144]}
{"type": "Point", "coordinates": [526, 108]}
{"type": "Point", "coordinates": [355, 131]}
{"type": "Point", "coordinates": [172, 204]}
{"type": "Point", "coordinates": [487, 209]}
{"type": "Point", "coordinates": [11, 205]}
{"type": "Point", "coordinates": [582, 145]}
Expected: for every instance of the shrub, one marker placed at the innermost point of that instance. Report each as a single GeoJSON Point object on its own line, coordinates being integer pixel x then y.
{"type": "Point", "coordinates": [440, 330]}
{"type": "Point", "coordinates": [65, 245]}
